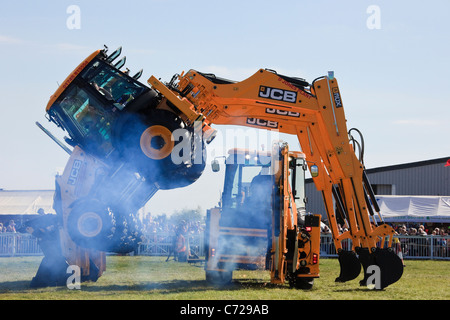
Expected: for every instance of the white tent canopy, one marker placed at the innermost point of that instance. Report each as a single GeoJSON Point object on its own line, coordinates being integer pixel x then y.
{"type": "Point", "coordinates": [25, 202]}
{"type": "Point", "coordinates": [415, 208]}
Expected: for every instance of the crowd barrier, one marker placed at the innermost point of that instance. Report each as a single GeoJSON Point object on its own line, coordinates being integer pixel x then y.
{"type": "Point", "coordinates": [18, 244]}
{"type": "Point", "coordinates": [159, 244]}
{"type": "Point", "coordinates": [410, 247]}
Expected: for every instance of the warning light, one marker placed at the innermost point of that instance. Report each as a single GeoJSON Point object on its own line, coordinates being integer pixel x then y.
{"type": "Point", "coordinates": [213, 252]}
{"type": "Point", "coordinates": [315, 258]}
{"type": "Point", "coordinates": [308, 229]}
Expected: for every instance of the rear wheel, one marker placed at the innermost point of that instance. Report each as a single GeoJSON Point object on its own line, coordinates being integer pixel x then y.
{"type": "Point", "coordinates": [90, 224]}
{"type": "Point", "coordinates": [159, 151]}
{"type": "Point", "coordinates": [302, 283]}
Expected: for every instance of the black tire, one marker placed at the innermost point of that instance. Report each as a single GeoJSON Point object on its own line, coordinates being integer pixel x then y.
{"type": "Point", "coordinates": [90, 224]}
{"type": "Point", "coordinates": [159, 168]}
{"type": "Point", "coordinates": [127, 140]}
{"type": "Point", "coordinates": [302, 283]}
{"type": "Point", "coordinates": [186, 173]}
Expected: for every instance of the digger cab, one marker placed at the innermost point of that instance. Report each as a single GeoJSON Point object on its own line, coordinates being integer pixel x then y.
{"type": "Point", "coordinates": [112, 116]}
{"type": "Point", "coordinates": [237, 234]}
{"type": "Point", "coordinates": [247, 190]}
{"type": "Point", "coordinates": [92, 97]}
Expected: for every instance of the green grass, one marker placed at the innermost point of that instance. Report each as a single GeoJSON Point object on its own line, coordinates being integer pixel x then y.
{"type": "Point", "coordinates": [140, 277]}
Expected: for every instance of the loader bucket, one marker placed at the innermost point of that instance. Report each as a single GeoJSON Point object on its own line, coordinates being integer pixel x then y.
{"type": "Point", "coordinates": [389, 263]}
{"type": "Point", "coordinates": [350, 266]}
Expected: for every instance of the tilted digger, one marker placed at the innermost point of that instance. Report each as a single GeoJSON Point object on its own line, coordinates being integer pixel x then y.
{"type": "Point", "coordinates": [127, 144]}
{"type": "Point", "coordinates": [122, 138]}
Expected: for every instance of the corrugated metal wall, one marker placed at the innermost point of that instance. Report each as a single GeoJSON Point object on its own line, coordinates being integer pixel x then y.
{"type": "Point", "coordinates": [431, 179]}
{"type": "Point", "coordinates": [418, 178]}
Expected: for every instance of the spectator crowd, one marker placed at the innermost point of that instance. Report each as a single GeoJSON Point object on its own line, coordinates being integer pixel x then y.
{"type": "Point", "coordinates": [404, 230]}
{"type": "Point", "coordinates": [11, 227]}
{"type": "Point", "coordinates": [181, 235]}
{"type": "Point", "coordinates": [415, 240]}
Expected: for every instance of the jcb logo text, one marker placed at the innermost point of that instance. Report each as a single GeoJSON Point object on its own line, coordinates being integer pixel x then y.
{"type": "Point", "coordinates": [262, 123]}
{"type": "Point", "coordinates": [74, 172]}
{"type": "Point", "coordinates": [277, 94]}
{"type": "Point", "coordinates": [282, 112]}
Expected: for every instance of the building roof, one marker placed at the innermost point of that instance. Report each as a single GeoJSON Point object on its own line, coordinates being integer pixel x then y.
{"type": "Point", "coordinates": [442, 161]}
{"type": "Point", "coordinates": [25, 202]}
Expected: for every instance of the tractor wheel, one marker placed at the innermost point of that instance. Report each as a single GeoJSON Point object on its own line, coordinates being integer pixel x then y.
{"type": "Point", "coordinates": [191, 168]}
{"type": "Point", "coordinates": [302, 283]}
{"type": "Point", "coordinates": [90, 224]}
{"type": "Point", "coordinates": [145, 141]}
{"type": "Point", "coordinates": [158, 150]}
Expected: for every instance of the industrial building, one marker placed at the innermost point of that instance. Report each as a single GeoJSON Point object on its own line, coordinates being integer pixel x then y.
{"type": "Point", "coordinates": [424, 182]}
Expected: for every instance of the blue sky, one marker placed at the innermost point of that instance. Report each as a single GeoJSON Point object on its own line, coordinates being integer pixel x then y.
{"type": "Point", "coordinates": [394, 80]}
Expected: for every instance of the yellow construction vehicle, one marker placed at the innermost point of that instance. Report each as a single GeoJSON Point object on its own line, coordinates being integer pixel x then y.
{"type": "Point", "coordinates": [314, 112]}
{"type": "Point", "coordinates": [121, 140]}
{"type": "Point", "coordinates": [262, 221]}
{"type": "Point", "coordinates": [130, 140]}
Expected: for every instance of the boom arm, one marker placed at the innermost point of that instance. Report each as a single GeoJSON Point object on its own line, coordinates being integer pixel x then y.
{"type": "Point", "coordinates": [314, 112]}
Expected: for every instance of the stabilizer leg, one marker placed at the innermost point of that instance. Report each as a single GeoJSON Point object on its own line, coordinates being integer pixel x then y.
{"type": "Point", "coordinates": [52, 272]}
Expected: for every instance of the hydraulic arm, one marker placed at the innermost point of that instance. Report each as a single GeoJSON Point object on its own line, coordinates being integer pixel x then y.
{"type": "Point", "coordinates": [315, 114]}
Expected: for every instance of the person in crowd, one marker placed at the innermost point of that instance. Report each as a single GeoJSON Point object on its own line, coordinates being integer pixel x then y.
{"type": "Point", "coordinates": [421, 231]}
{"type": "Point", "coordinates": [173, 243]}
{"type": "Point", "coordinates": [326, 230]}
{"type": "Point", "coordinates": [403, 230]}
{"type": "Point", "coordinates": [11, 226]}
{"type": "Point", "coordinates": [180, 245]}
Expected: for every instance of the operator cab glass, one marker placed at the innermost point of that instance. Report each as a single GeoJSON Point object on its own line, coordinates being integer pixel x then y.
{"type": "Point", "coordinates": [239, 183]}
{"type": "Point", "coordinates": [112, 84]}
{"type": "Point", "coordinates": [297, 167]}
{"type": "Point", "coordinates": [247, 193]}
{"type": "Point", "coordinates": [90, 104]}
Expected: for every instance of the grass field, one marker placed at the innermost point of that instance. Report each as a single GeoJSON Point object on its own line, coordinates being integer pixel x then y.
{"type": "Point", "coordinates": [141, 278]}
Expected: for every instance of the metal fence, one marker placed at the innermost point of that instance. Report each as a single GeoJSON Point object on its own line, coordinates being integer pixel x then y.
{"type": "Point", "coordinates": [409, 247]}
{"type": "Point", "coordinates": [18, 244]}
{"type": "Point", "coordinates": [160, 244]}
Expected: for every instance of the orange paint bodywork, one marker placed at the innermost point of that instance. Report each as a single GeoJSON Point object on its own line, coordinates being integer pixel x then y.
{"type": "Point", "coordinates": [70, 78]}
{"type": "Point", "coordinates": [315, 115]}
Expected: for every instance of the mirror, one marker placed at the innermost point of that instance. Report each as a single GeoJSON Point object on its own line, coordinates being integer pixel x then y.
{"type": "Point", "coordinates": [314, 171]}
{"type": "Point", "coordinates": [215, 166]}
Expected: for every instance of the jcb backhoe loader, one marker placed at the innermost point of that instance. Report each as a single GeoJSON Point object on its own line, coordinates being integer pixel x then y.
{"type": "Point", "coordinates": [123, 135]}
{"type": "Point", "coordinates": [262, 221]}
{"type": "Point", "coordinates": [314, 112]}
{"type": "Point", "coordinates": [123, 138]}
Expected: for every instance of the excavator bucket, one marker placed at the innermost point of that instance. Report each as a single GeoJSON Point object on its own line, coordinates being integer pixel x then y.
{"type": "Point", "coordinates": [350, 266]}
{"type": "Point", "coordinates": [389, 263]}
